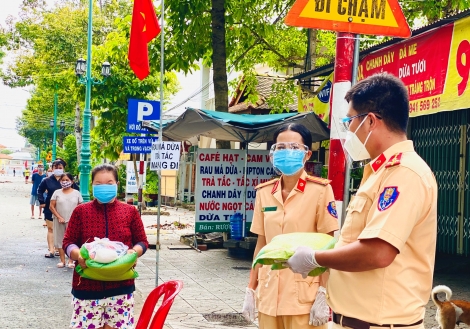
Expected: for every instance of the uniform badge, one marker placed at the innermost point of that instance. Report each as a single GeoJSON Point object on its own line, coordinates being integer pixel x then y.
{"type": "Point", "coordinates": [266, 209]}
{"type": "Point", "coordinates": [388, 197]}
{"type": "Point", "coordinates": [332, 209]}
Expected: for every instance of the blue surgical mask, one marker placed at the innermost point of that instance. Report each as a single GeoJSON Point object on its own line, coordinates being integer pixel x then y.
{"type": "Point", "coordinates": [288, 162]}
{"type": "Point", "coordinates": [105, 193]}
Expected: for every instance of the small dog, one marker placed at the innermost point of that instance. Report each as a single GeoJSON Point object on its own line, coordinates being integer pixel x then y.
{"type": "Point", "coordinates": [450, 312]}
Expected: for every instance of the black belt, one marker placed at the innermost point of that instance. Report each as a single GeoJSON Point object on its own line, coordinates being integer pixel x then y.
{"type": "Point", "coordinates": [359, 324]}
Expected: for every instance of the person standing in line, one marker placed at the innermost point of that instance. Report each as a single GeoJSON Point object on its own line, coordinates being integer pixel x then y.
{"type": "Point", "coordinates": [36, 179]}
{"type": "Point", "coordinates": [103, 304]}
{"type": "Point", "coordinates": [295, 202]}
{"type": "Point", "coordinates": [26, 173]}
{"type": "Point", "coordinates": [63, 202]}
{"type": "Point", "coordinates": [14, 172]}
{"type": "Point", "coordinates": [49, 173]}
{"type": "Point", "coordinates": [51, 184]}
{"type": "Point", "coordinates": [381, 269]}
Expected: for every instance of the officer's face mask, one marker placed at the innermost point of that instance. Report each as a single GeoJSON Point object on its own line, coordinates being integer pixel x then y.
{"type": "Point", "coordinates": [353, 145]}
{"type": "Point", "coordinates": [288, 158]}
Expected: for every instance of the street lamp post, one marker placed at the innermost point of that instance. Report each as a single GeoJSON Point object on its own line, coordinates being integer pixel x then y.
{"type": "Point", "coordinates": [44, 160]}
{"type": "Point", "coordinates": [54, 127]}
{"type": "Point", "coordinates": [88, 81]}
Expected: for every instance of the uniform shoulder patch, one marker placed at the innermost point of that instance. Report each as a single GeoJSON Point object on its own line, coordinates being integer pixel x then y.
{"type": "Point", "coordinates": [269, 182]}
{"type": "Point", "coordinates": [388, 197]}
{"type": "Point", "coordinates": [317, 180]}
{"type": "Point", "coordinates": [332, 209]}
{"type": "Point", "coordinates": [394, 160]}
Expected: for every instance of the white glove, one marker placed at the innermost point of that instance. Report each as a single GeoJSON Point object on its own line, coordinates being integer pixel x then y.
{"type": "Point", "coordinates": [248, 310]}
{"type": "Point", "coordinates": [320, 311]}
{"type": "Point", "coordinates": [302, 261]}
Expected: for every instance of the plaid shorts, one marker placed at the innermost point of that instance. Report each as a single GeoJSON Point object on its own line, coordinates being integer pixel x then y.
{"type": "Point", "coordinates": [116, 312]}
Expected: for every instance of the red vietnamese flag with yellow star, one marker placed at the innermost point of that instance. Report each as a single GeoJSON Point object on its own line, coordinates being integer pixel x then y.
{"type": "Point", "coordinates": [144, 28]}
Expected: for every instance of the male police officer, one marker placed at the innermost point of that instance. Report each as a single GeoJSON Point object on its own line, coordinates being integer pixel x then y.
{"type": "Point", "coordinates": [381, 268]}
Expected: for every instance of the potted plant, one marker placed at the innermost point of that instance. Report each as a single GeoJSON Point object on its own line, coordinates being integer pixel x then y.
{"type": "Point", "coordinates": [148, 201]}
{"type": "Point", "coordinates": [135, 198]}
{"type": "Point", "coordinates": [151, 185]}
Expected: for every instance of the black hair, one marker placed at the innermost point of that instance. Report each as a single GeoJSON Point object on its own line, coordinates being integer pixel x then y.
{"type": "Point", "coordinates": [69, 175]}
{"type": "Point", "coordinates": [298, 128]}
{"type": "Point", "coordinates": [384, 94]}
{"type": "Point", "coordinates": [105, 167]}
{"type": "Point", "coordinates": [59, 161]}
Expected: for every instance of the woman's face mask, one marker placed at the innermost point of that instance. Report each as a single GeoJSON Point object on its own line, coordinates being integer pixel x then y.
{"type": "Point", "coordinates": [58, 172]}
{"type": "Point", "coordinates": [105, 193]}
{"type": "Point", "coordinates": [288, 158]}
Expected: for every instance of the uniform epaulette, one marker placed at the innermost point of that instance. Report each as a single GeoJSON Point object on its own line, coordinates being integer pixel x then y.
{"type": "Point", "coordinates": [269, 182]}
{"type": "Point", "coordinates": [394, 160]}
{"type": "Point", "coordinates": [317, 180]}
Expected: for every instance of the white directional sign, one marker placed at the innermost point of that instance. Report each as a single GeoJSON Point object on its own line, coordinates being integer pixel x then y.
{"type": "Point", "coordinates": [165, 155]}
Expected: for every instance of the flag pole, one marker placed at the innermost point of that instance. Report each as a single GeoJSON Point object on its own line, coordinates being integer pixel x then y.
{"type": "Point", "coordinates": [160, 136]}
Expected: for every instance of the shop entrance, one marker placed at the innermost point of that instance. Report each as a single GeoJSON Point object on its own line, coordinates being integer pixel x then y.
{"type": "Point", "coordinates": [443, 140]}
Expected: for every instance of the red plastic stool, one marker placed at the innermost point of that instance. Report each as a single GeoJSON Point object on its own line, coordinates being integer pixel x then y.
{"type": "Point", "coordinates": [171, 289]}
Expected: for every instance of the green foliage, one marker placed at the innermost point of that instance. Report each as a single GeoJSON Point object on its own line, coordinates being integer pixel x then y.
{"type": "Point", "coordinates": [69, 154]}
{"type": "Point", "coordinates": [122, 176]}
{"type": "Point", "coordinates": [6, 151]}
{"type": "Point", "coordinates": [3, 43]}
{"type": "Point", "coordinates": [431, 10]}
{"type": "Point", "coordinates": [255, 34]}
{"type": "Point", "coordinates": [151, 184]}
{"type": "Point", "coordinates": [110, 99]}
{"type": "Point", "coordinates": [283, 94]}
{"type": "Point", "coordinates": [47, 44]}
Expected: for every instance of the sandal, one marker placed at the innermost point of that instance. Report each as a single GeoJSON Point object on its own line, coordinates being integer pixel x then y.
{"type": "Point", "coordinates": [49, 255]}
{"type": "Point", "coordinates": [71, 265]}
{"type": "Point", "coordinates": [39, 217]}
{"type": "Point", "coordinates": [32, 217]}
{"type": "Point", "coordinates": [60, 265]}
{"type": "Point", "coordinates": [56, 254]}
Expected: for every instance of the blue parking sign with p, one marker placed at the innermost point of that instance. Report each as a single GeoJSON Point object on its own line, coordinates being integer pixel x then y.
{"type": "Point", "coordinates": [139, 110]}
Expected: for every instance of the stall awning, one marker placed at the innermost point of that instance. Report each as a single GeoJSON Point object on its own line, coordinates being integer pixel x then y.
{"type": "Point", "coordinates": [236, 127]}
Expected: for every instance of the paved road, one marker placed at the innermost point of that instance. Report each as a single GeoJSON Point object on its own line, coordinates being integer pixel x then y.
{"type": "Point", "coordinates": [34, 293]}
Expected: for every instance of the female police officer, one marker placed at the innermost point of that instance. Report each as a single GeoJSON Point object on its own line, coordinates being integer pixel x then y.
{"type": "Point", "coordinates": [295, 202]}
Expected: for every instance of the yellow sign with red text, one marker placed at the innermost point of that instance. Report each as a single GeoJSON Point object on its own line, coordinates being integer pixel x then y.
{"type": "Point", "coordinates": [375, 17]}
{"type": "Point", "coordinates": [319, 102]}
{"type": "Point", "coordinates": [435, 67]}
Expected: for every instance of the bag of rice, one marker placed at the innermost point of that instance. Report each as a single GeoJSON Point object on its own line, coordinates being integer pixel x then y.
{"type": "Point", "coordinates": [283, 246]}
{"type": "Point", "coordinates": [118, 270]}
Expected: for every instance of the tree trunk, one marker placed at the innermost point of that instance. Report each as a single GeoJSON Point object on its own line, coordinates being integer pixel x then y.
{"type": "Point", "coordinates": [311, 49]}
{"type": "Point", "coordinates": [219, 55]}
{"type": "Point", "coordinates": [78, 132]}
{"type": "Point", "coordinates": [219, 61]}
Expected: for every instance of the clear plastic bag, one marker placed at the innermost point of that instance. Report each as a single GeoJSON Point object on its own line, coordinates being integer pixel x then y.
{"type": "Point", "coordinates": [105, 251]}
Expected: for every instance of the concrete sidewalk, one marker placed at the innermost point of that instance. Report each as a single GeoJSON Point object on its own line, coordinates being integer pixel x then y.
{"type": "Point", "coordinates": [214, 284]}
